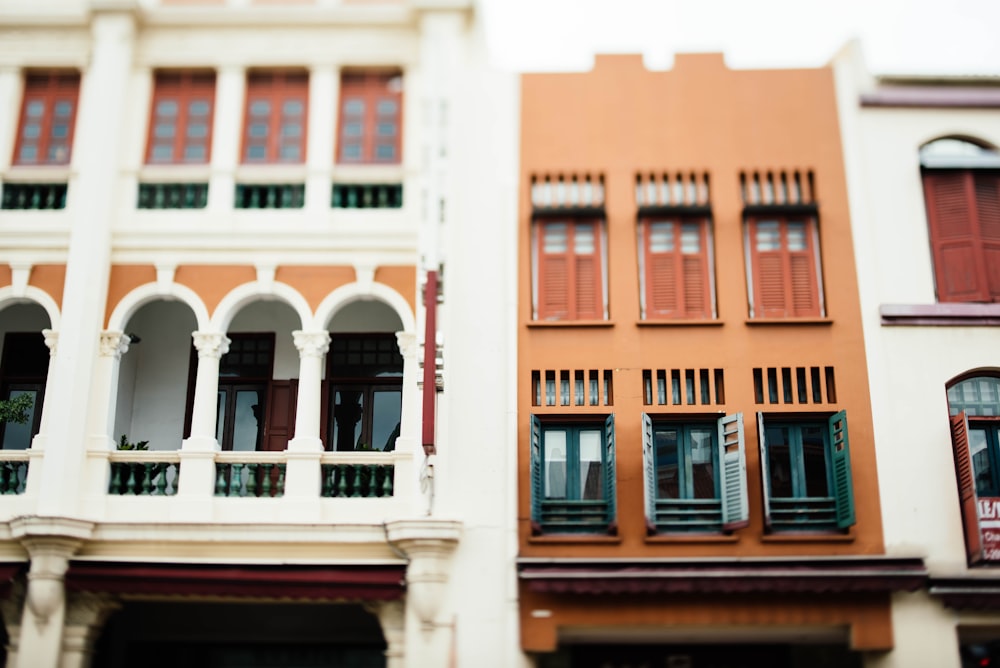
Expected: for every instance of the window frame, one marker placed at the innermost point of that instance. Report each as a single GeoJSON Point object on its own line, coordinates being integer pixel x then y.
{"type": "Point", "coordinates": [801, 286]}
{"type": "Point", "coordinates": [16, 344]}
{"type": "Point", "coordinates": [836, 511]}
{"type": "Point", "coordinates": [728, 510]}
{"type": "Point", "coordinates": [547, 304]}
{"type": "Point", "coordinates": [190, 86]}
{"type": "Point", "coordinates": [59, 86]}
{"type": "Point", "coordinates": [372, 87]}
{"type": "Point", "coordinates": [653, 275]}
{"type": "Point", "coordinates": [283, 86]}
{"type": "Point", "coordinates": [573, 515]}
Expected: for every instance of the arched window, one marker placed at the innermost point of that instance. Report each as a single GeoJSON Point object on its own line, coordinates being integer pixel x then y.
{"type": "Point", "coordinates": [974, 405]}
{"type": "Point", "coordinates": [962, 192]}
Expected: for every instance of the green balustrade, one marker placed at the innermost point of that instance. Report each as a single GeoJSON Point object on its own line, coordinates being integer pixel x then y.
{"type": "Point", "coordinates": [357, 480]}
{"type": "Point", "coordinates": [144, 478]}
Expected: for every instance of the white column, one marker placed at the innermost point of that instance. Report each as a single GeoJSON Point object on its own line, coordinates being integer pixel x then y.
{"type": "Point", "coordinates": [312, 348]}
{"type": "Point", "coordinates": [101, 420]}
{"type": "Point", "coordinates": [10, 106]}
{"type": "Point", "coordinates": [96, 151]}
{"type": "Point", "coordinates": [211, 346]}
{"type": "Point", "coordinates": [319, 153]}
{"type": "Point", "coordinates": [85, 617]}
{"type": "Point", "coordinates": [227, 129]}
{"type": "Point", "coordinates": [51, 342]}
{"type": "Point", "coordinates": [392, 617]}
{"type": "Point", "coordinates": [407, 473]}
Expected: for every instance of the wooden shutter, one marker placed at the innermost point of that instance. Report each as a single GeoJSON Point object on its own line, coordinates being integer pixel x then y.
{"type": "Point", "coordinates": [987, 194]}
{"type": "Point", "coordinates": [840, 456]}
{"type": "Point", "coordinates": [785, 281]}
{"type": "Point", "coordinates": [537, 493]}
{"type": "Point", "coordinates": [732, 459]}
{"type": "Point", "coordinates": [588, 278]}
{"type": "Point", "coordinates": [49, 90]}
{"type": "Point", "coordinates": [954, 239]}
{"type": "Point", "coordinates": [661, 271]}
{"type": "Point", "coordinates": [694, 272]}
{"type": "Point", "coordinates": [765, 477]}
{"type": "Point", "coordinates": [182, 88]}
{"type": "Point", "coordinates": [281, 401]}
{"type": "Point", "coordinates": [968, 501]}
{"type": "Point", "coordinates": [554, 271]}
{"type": "Point", "coordinates": [802, 275]}
{"type": "Point", "coordinates": [609, 488]}
{"type": "Point", "coordinates": [570, 271]}
{"type": "Point", "coordinates": [676, 278]}
{"type": "Point", "coordinates": [649, 473]}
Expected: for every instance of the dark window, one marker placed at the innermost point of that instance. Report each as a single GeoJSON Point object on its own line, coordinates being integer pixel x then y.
{"type": "Point", "coordinates": [180, 123]}
{"type": "Point", "coordinates": [48, 116]}
{"type": "Point", "coordinates": [23, 370]}
{"type": "Point", "coordinates": [370, 120]}
{"type": "Point", "coordinates": [366, 392]}
{"type": "Point", "coordinates": [244, 375]}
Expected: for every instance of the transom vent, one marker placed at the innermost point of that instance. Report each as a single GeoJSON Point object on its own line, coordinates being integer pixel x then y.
{"type": "Point", "coordinates": [567, 191]}
{"type": "Point", "coordinates": [679, 387]}
{"type": "Point", "coordinates": [790, 385]}
{"type": "Point", "coordinates": [786, 187]}
{"type": "Point", "coordinates": [572, 387]}
{"type": "Point", "coordinates": [672, 189]}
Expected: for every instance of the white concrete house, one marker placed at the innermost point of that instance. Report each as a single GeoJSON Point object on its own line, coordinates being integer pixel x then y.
{"type": "Point", "coordinates": [233, 231]}
{"type": "Point", "coordinates": [923, 168]}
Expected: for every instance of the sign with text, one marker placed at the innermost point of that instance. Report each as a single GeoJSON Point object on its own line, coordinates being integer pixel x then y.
{"type": "Point", "coordinates": [989, 527]}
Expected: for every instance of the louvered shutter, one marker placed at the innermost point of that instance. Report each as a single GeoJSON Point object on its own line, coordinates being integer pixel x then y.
{"type": "Point", "coordinates": [587, 275]}
{"type": "Point", "coordinates": [950, 212]}
{"type": "Point", "coordinates": [840, 456]}
{"type": "Point", "coordinates": [554, 242]}
{"type": "Point", "coordinates": [696, 293]}
{"type": "Point", "coordinates": [967, 498]}
{"type": "Point", "coordinates": [649, 472]}
{"type": "Point", "coordinates": [767, 261]}
{"type": "Point", "coordinates": [536, 471]}
{"type": "Point", "coordinates": [732, 459]}
{"type": "Point", "coordinates": [662, 284]}
{"type": "Point", "coordinates": [765, 477]}
{"type": "Point", "coordinates": [987, 194]}
{"type": "Point", "coordinates": [609, 436]}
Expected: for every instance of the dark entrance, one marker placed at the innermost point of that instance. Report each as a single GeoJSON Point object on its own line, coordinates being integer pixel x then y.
{"type": "Point", "coordinates": [703, 656]}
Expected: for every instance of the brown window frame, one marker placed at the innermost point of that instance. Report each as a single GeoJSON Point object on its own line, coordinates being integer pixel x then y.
{"type": "Point", "coordinates": [784, 283]}
{"type": "Point", "coordinates": [276, 87]}
{"type": "Point", "coordinates": [581, 298]}
{"type": "Point", "coordinates": [184, 88]}
{"type": "Point", "coordinates": [49, 88]}
{"type": "Point", "coordinates": [371, 87]}
{"type": "Point", "coordinates": [677, 284]}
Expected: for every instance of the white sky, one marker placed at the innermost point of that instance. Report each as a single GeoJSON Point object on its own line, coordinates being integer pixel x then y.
{"type": "Point", "coordinates": [898, 36]}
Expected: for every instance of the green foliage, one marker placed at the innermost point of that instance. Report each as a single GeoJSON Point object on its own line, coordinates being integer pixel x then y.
{"type": "Point", "coordinates": [123, 444]}
{"type": "Point", "coordinates": [16, 409]}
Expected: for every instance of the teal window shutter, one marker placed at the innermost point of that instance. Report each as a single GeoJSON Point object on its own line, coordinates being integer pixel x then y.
{"type": "Point", "coordinates": [536, 470]}
{"type": "Point", "coordinates": [840, 456]}
{"type": "Point", "coordinates": [966, 487]}
{"type": "Point", "coordinates": [649, 469]}
{"type": "Point", "coordinates": [732, 459]}
{"type": "Point", "coordinates": [765, 477]}
{"type": "Point", "coordinates": [609, 443]}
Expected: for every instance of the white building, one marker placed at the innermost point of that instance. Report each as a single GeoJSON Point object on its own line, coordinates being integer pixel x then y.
{"type": "Point", "coordinates": [922, 162]}
{"type": "Point", "coordinates": [220, 217]}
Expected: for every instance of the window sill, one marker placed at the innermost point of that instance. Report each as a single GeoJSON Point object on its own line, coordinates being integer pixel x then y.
{"type": "Point", "coordinates": [164, 173]}
{"type": "Point", "coordinates": [702, 538]}
{"type": "Point", "coordinates": [268, 173]}
{"type": "Point", "coordinates": [789, 321]}
{"type": "Point", "coordinates": [568, 539]}
{"type": "Point", "coordinates": [680, 323]}
{"type": "Point", "coordinates": [942, 314]}
{"type": "Point", "coordinates": [37, 174]}
{"type": "Point", "coordinates": [368, 173]}
{"type": "Point", "coordinates": [808, 538]}
{"type": "Point", "coordinates": [571, 323]}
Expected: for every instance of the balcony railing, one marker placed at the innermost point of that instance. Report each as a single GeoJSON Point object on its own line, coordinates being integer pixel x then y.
{"type": "Point", "coordinates": [13, 471]}
{"type": "Point", "coordinates": [33, 196]}
{"type": "Point", "coordinates": [357, 475]}
{"type": "Point", "coordinates": [145, 473]}
{"type": "Point", "coordinates": [254, 474]}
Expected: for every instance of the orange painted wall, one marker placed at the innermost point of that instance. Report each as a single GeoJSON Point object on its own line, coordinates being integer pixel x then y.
{"type": "Point", "coordinates": [6, 275]}
{"type": "Point", "coordinates": [402, 279]}
{"type": "Point", "coordinates": [315, 283]}
{"type": "Point", "coordinates": [123, 279]}
{"type": "Point", "coordinates": [49, 278]}
{"type": "Point", "coordinates": [620, 119]}
{"type": "Point", "coordinates": [212, 283]}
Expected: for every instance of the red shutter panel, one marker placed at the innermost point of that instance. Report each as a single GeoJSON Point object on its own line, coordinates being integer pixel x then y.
{"type": "Point", "coordinates": [696, 298]}
{"type": "Point", "coordinates": [987, 194]}
{"type": "Point", "coordinates": [281, 414]}
{"type": "Point", "coordinates": [661, 282]}
{"type": "Point", "coordinates": [950, 211]}
{"type": "Point", "coordinates": [966, 487]}
{"type": "Point", "coordinates": [770, 279]}
{"type": "Point", "coordinates": [587, 274]}
{"type": "Point", "coordinates": [804, 288]}
{"type": "Point", "coordinates": [553, 271]}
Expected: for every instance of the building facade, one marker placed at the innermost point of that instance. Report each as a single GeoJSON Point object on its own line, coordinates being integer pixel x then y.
{"type": "Point", "coordinates": [923, 163]}
{"type": "Point", "coordinates": [234, 243]}
{"type": "Point", "coordinates": [696, 458]}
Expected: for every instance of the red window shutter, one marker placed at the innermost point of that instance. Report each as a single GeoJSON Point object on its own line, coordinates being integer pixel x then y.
{"type": "Point", "coordinates": [694, 273]}
{"type": "Point", "coordinates": [588, 278]}
{"type": "Point", "coordinates": [966, 487]}
{"type": "Point", "coordinates": [281, 414]}
{"type": "Point", "coordinates": [661, 271]}
{"type": "Point", "coordinates": [183, 104]}
{"type": "Point", "coordinates": [48, 118]}
{"type": "Point", "coordinates": [987, 193]}
{"type": "Point", "coordinates": [570, 271]}
{"type": "Point", "coordinates": [676, 269]}
{"type": "Point", "coordinates": [785, 275]}
{"type": "Point", "coordinates": [769, 275]}
{"type": "Point", "coordinates": [276, 117]}
{"type": "Point", "coordinates": [553, 288]}
{"type": "Point", "coordinates": [954, 238]}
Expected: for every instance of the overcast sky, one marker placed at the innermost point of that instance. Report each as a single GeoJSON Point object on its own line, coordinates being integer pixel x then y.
{"type": "Point", "coordinates": [898, 36]}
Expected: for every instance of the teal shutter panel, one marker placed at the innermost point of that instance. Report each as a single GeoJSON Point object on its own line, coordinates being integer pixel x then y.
{"type": "Point", "coordinates": [765, 477]}
{"type": "Point", "coordinates": [609, 487]}
{"type": "Point", "coordinates": [840, 455]}
{"type": "Point", "coordinates": [536, 470]}
{"type": "Point", "coordinates": [732, 459]}
{"type": "Point", "coordinates": [649, 469]}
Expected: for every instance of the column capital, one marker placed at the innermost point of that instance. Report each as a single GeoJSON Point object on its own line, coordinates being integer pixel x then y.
{"type": "Point", "coordinates": [51, 340]}
{"type": "Point", "coordinates": [407, 342]}
{"type": "Point", "coordinates": [114, 343]}
{"type": "Point", "coordinates": [311, 344]}
{"type": "Point", "coordinates": [210, 344]}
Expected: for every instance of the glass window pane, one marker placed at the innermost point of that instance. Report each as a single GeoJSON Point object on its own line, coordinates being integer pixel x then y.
{"type": "Point", "coordinates": [768, 235]}
{"type": "Point", "coordinates": [348, 411]}
{"type": "Point", "coordinates": [554, 238]}
{"type": "Point", "coordinates": [292, 108]}
{"type": "Point", "coordinates": [354, 107]}
{"type": "Point", "coordinates": [247, 414]}
{"type": "Point", "coordinates": [385, 152]}
{"type": "Point", "coordinates": [18, 436]}
{"type": "Point", "coordinates": [351, 151]}
{"type": "Point", "coordinates": [814, 461]}
{"type": "Point", "coordinates": [60, 130]}
{"type": "Point", "coordinates": [63, 109]}
{"type": "Point", "coordinates": [667, 463]}
{"type": "Point", "coordinates": [260, 107]}
{"type": "Point", "coordinates": [691, 238]}
{"type": "Point", "coordinates": [163, 130]}
{"type": "Point", "coordinates": [583, 239]}
{"type": "Point", "coordinates": [220, 416]}
{"type": "Point", "coordinates": [386, 129]}
{"type": "Point", "coordinates": [31, 131]}
{"type": "Point", "coordinates": [291, 130]}
{"type": "Point", "coordinates": [199, 108]}
{"type": "Point", "coordinates": [797, 236]}
{"type": "Point", "coordinates": [197, 131]}
{"type": "Point", "coordinates": [702, 463]}
{"type": "Point", "coordinates": [35, 108]}
{"type": "Point", "coordinates": [387, 406]}
{"type": "Point", "coordinates": [352, 129]}
{"type": "Point", "coordinates": [591, 471]}
{"type": "Point", "coordinates": [779, 463]}
{"type": "Point", "coordinates": [194, 152]}
{"type": "Point", "coordinates": [289, 152]}
{"type": "Point", "coordinates": [661, 237]}
{"type": "Point", "coordinates": [555, 464]}
{"type": "Point", "coordinates": [256, 153]}
{"type": "Point", "coordinates": [29, 153]}
{"type": "Point", "coordinates": [979, 450]}
{"type": "Point", "coordinates": [166, 108]}
{"type": "Point", "coordinates": [257, 130]}
{"type": "Point", "coordinates": [58, 152]}
{"type": "Point", "coordinates": [163, 152]}
{"type": "Point", "coordinates": [387, 107]}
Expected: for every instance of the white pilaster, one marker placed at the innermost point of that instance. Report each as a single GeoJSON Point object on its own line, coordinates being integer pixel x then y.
{"type": "Point", "coordinates": [319, 155]}
{"type": "Point", "coordinates": [230, 90]}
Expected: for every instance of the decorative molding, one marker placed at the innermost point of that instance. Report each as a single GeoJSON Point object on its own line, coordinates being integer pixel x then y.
{"type": "Point", "coordinates": [20, 271]}
{"type": "Point", "coordinates": [165, 277]}
{"type": "Point", "coordinates": [210, 345]}
{"type": "Point", "coordinates": [407, 342]}
{"type": "Point", "coordinates": [114, 343]}
{"type": "Point", "coordinates": [942, 314]}
{"type": "Point", "coordinates": [428, 544]}
{"type": "Point", "coordinates": [311, 344]}
{"type": "Point", "coordinates": [265, 278]}
{"type": "Point", "coordinates": [51, 340]}
{"type": "Point", "coordinates": [364, 275]}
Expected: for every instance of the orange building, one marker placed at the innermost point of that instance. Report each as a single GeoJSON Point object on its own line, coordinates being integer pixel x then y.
{"type": "Point", "coordinates": [690, 358]}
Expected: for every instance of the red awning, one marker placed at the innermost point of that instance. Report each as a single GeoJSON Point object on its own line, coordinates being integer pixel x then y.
{"type": "Point", "coordinates": [970, 593]}
{"type": "Point", "coordinates": [738, 576]}
{"type": "Point", "coordinates": [320, 583]}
